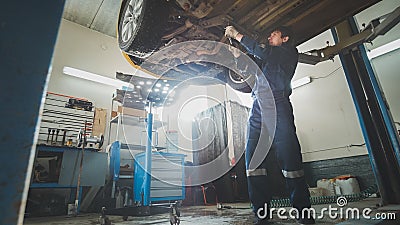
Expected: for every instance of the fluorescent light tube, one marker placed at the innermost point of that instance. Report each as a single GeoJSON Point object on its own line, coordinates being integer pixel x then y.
{"type": "Point", "coordinates": [381, 50]}
{"type": "Point", "coordinates": [301, 82]}
{"type": "Point", "coordinates": [95, 77]}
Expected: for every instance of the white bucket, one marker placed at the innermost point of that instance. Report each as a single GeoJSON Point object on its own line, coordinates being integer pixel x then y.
{"type": "Point", "coordinates": [71, 210]}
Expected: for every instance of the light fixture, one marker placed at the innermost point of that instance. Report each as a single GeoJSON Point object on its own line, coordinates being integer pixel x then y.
{"type": "Point", "coordinates": [96, 78]}
{"type": "Point", "coordinates": [301, 82]}
{"type": "Point", "coordinates": [381, 50]}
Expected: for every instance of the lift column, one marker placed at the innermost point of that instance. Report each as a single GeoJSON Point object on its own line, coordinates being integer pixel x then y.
{"type": "Point", "coordinates": [374, 115]}
{"type": "Point", "coordinates": [147, 163]}
{"type": "Point", "coordinates": [28, 32]}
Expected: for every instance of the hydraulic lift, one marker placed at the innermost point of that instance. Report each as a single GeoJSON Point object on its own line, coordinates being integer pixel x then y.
{"type": "Point", "coordinates": [375, 119]}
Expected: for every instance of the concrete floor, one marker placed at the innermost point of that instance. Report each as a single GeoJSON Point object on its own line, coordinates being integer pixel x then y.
{"type": "Point", "coordinates": [195, 215]}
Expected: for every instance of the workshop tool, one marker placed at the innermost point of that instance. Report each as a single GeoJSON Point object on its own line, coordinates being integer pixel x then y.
{"type": "Point", "coordinates": [79, 104]}
{"type": "Point", "coordinates": [64, 136]}
{"type": "Point", "coordinates": [79, 174]}
{"type": "Point", "coordinates": [84, 140]}
{"type": "Point", "coordinates": [48, 135]}
{"type": "Point", "coordinates": [69, 142]}
{"type": "Point", "coordinates": [220, 206]}
{"type": "Point", "coordinates": [57, 132]}
{"type": "Point", "coordinates": [52, 136]}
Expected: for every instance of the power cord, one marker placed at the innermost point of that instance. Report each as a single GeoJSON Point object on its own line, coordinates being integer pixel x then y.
{"type": "Point", "coordinates": [322, 77]}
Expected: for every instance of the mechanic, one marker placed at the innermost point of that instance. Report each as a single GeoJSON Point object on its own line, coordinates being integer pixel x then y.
{"type": "Point", "coordinates": [278, 63]}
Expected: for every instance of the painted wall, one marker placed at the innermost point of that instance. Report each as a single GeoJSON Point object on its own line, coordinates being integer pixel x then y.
{"type": "Point", "coordinates": [91, 51]}
{"type": "Point", "coordinates": [325, 115]}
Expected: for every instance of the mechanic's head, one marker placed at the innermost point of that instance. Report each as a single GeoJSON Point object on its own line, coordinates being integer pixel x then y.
{"type": "Point", "coordinates": [280, 35]}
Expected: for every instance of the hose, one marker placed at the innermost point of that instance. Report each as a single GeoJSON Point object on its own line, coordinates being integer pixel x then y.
{"type": "Point", "coordinates": [285, 202]}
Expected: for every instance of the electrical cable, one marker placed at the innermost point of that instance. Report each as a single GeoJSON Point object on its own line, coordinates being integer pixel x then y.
{"type": "Point", "coordinates": [329, 74]}
{"type": "Point", "coordinates": [340, 147]}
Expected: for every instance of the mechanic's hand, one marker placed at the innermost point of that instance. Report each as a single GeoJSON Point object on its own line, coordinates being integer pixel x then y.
{"type": "Point", "coordinates": [231, 32]}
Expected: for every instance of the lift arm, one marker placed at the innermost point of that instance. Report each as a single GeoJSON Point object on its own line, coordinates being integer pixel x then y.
{"type": "Point", "coordinates": [374, 29]}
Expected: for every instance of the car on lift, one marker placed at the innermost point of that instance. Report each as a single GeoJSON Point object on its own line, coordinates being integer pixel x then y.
{"type": "Point", "coordinates": [146, 26]}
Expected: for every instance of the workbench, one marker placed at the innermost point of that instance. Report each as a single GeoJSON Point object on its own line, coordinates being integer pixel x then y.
{"type": "Point", "coordinates": [64, 172]}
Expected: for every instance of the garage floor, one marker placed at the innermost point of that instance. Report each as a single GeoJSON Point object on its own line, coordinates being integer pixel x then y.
{"type": "Point", "coordinates": [210, 215]}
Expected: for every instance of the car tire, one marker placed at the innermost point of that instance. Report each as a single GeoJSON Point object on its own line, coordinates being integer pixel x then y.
{"type": "Point", "coordinates": [140, 35]}
{"type": "Point", "coordinates": [237, 83]}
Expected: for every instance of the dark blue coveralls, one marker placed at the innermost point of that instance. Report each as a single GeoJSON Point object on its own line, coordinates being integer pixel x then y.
{"type": "Point", "coordinates": [278, 63]}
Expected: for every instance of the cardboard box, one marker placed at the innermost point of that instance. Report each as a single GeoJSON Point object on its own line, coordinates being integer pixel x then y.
{"type": "Point", "coordinates": [132, 111]}
{"type": "Point", "coordinates": [99, 122]}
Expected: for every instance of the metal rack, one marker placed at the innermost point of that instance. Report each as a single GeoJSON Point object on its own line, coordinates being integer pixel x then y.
{"type": "Point", "coordinates": [61, 123]}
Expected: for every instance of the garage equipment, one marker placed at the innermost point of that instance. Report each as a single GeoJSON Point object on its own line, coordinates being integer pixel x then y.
{"type": "Point", "coordinates": [79, 104]}
{"type": "Point", "coordinates": [57, 120]}
{"type": "Point", "coordinates": [89, 141]}
{"type": "Point", "coordinates": [153, 182]}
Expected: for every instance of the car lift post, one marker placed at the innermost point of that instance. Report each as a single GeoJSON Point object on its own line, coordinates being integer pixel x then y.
{"type": "Point", "coordinates": [26, 54]}
{"type": "Point", "coordinates": [373, 112]}
{"type": "Point", "coordinates": [147, 163]}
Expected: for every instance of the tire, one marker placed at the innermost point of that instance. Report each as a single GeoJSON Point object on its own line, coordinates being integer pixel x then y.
{"type": "Point", "coordinates": [238, 83]}
{"type": "Point", "coordinates": [140, 35]}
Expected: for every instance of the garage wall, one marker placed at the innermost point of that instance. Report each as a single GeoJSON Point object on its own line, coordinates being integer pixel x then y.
{"type": "Point", "coordinates": [325, 115]}
{"type": "Point", "coordinates": [91, 51]}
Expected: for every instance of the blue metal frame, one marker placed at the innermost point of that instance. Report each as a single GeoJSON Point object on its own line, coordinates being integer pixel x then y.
{"type": "Point", "coordinates": [45, 148]}
{"type": "Point", "coordinates": [26, 54]}
{"type": "Point", "coordinates": [147, 164]}
{"type": "Point", "coordinates": [375, 119]}
{"type": "Point", "coordinates": [387, 117]}
{"type": "Point", "coordinates": [140, 174]}
{"type": "Point", "coordinates": [115, 158]}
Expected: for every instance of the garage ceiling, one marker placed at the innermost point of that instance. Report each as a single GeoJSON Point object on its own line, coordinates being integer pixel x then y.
{"type": "Point", "coordinates": [307, 17]}
{"type": "Point", "coordinates": [99, 15]}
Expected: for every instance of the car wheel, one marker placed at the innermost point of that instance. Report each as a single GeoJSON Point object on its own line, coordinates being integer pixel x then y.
{"type": "Point", "coordinates": [239, 83]}
{"type": "Point", "coordinates": [140, 26]}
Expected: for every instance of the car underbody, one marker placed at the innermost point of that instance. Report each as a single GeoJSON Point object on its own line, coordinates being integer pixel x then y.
{"type": "Point", "coordinates": [146, 26]}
